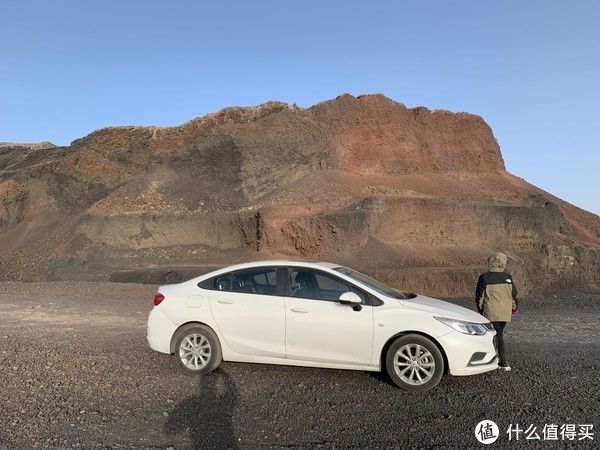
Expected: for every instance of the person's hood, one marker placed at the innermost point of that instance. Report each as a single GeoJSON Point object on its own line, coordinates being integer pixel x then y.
{"type": "Point", "coordinates": [497, 262]}
{"type": "Point", "coordinates": [443, 309]}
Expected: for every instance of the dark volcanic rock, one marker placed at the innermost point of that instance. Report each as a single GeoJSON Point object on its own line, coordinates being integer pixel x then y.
{"type": "Point", "coordinates": [417, 197]}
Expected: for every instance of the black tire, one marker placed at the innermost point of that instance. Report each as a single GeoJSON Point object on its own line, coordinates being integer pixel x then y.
{"type": "Point", "coordinates": [414, 344]}
{"type": "Point", "coordinates": [196, 333]}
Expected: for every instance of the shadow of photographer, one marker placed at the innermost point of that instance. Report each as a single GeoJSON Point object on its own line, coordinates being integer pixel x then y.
{"type": "Point", "coordinates": [207, 415]}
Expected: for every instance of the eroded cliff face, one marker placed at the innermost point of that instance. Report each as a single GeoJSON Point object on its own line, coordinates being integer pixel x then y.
{"type": "Point", "coordinates": [416, 197]}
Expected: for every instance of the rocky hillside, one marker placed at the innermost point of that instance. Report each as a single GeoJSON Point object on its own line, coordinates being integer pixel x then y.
{"type": "Point", "coordinates": [415, 197]}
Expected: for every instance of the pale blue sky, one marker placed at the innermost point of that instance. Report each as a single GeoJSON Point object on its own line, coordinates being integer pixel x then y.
{"type": "Point", "coordinates": [530, 68]}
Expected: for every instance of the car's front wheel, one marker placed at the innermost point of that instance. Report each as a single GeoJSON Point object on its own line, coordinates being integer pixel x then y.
{"type": "Point", "coordinates": [197, 349]}
{"type": "Point", "coordinates": [414, 363]}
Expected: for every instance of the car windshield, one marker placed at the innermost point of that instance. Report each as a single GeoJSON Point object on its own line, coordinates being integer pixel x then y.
{"type": "Point", "coordinates": [378, 286]}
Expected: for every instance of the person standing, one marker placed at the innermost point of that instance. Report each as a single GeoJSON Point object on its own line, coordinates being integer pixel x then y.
{"type": "Point", "coordinates": [496, 299]}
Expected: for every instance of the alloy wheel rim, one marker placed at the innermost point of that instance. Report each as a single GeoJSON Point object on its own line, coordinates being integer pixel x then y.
{"type": "Point", "coordinates": [414, 364]}
{"type": "Point", "coordinates": [195, 351]}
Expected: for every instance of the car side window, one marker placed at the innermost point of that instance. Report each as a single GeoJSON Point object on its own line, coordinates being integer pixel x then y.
{"type": "Point", "coordinates": [262, 281]}
{"type": "Point", "coordinates": [317, 285]}
{"type": "Point", "coordinates": [223, 282]}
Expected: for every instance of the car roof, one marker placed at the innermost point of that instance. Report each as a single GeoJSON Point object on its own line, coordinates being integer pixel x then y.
{"type": "Point", "coordinates": [282, 262]}
{"type": "Point", "coordinates": [264, 263]}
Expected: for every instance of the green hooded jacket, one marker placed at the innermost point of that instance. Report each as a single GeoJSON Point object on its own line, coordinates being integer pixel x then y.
{"type": "Point", "coordinates": [496, 293]}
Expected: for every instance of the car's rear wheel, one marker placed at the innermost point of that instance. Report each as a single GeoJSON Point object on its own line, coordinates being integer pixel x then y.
{"type": "Point", "coordinates": [197, 349]}
{"type": "Point", "coordinates": [414, 363]}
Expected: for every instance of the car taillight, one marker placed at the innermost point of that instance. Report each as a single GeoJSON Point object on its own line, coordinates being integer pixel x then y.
{"type": "Point", "coordinates": [158, 298]}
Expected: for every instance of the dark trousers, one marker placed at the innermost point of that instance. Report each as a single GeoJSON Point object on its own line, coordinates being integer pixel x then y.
{"type": "Point", "coordinates": [499, 327]}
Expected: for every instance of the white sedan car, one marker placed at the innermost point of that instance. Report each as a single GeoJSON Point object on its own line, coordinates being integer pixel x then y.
{"type": "Point", "coordinates": [317, 314]}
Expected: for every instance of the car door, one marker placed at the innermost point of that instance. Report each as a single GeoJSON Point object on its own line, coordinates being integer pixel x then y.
{"type": "Point", "coordinates": [249, 311]}
{"type": "Point", "coordinates": [320, 328]}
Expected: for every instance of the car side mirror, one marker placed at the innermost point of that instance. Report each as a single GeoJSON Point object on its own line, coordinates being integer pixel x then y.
{"type": "Point", "coordinates": [350, 298]}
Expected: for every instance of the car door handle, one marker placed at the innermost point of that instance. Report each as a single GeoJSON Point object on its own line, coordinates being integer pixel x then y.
{"type": "Point", "coordinates": [225, 302]}
{"type": "Point", "coordinates": [299, 310]}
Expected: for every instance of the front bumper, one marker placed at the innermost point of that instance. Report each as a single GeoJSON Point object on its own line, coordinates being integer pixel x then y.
{"type": "Point", "coordinates": [470, 355]}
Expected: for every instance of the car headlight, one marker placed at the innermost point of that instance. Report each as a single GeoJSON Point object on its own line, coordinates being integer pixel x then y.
{"type": "Point", "coordinates": [462, 326]}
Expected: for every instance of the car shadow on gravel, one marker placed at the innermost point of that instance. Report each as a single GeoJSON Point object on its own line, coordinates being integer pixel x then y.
{"type": "Point", "coordinates": [207, 415]}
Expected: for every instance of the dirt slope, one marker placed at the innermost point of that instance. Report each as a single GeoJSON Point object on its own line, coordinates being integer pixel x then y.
{"type": "Point", "coordinates": [416, 197]}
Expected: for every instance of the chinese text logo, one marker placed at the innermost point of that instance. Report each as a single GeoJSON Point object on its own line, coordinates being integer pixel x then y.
{"type": "Point", "coordinates": [487, 431]}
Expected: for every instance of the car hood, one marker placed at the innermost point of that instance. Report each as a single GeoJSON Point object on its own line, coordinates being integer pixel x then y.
{"type": "Point", "coordinates": [444, 309]}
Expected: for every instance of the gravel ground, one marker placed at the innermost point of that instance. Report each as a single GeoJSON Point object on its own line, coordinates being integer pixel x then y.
{"type": "Point", "coordinates": [75, 371]}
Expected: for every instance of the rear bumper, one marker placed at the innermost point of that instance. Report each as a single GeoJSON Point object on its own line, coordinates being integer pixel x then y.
{"type": "Point", "coordinates": [470, 355]}
{"type": "Point", "coordinates": [160, 330]}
